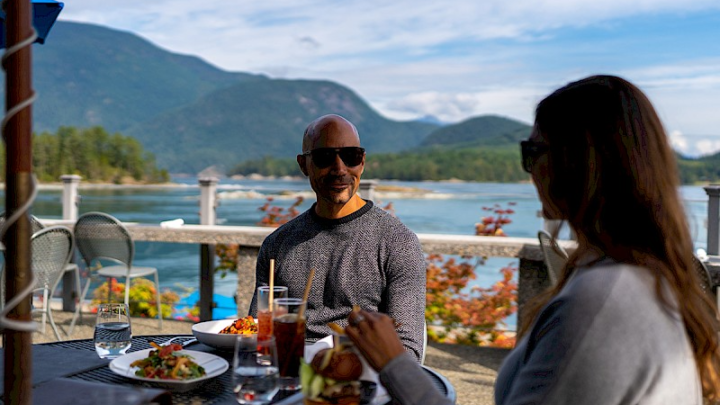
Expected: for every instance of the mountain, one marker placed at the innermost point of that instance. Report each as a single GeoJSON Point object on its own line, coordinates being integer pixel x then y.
{"type": "Point", "coordinates": [486, 130]}
{"type": "Point", "coordinates": [87, 75]}
{"type": "Point", "coordinates": [265, 118]}
{"type": "Point", "coordinates": [187, 112]}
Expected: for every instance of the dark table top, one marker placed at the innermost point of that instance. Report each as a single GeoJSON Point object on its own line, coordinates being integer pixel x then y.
{"type": "Point", "coordinates": [215, 391]}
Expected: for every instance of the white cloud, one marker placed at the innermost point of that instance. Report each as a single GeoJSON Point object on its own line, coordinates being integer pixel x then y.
{"type": "Point", "coordinates": [678, 142]}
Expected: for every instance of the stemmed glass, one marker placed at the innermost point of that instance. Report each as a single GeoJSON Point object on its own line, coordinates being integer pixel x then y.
{"type": "Point", "coordinates": [255, 370]}
{"type": "Point", "coordinates": [113, 335]}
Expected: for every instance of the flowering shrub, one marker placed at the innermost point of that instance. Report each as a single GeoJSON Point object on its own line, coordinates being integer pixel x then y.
{"type": "Point", "coordinates": [492, 225]}
{"type": "Point", "coordinates": [142, 297]}
{"type": "Point", "coordinates": [275, 216]}
{"type": "Point", "coordinates": [468, 317]}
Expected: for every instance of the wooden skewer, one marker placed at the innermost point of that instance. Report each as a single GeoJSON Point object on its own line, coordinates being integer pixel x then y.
{"type": "Point", "coordinates": [301, 313]}
{"type": "Point", "coordinates": [272, 285]}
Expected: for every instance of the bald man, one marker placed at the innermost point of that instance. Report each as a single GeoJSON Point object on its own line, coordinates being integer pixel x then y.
{"type": "Point", "coordinates": [361, 254]}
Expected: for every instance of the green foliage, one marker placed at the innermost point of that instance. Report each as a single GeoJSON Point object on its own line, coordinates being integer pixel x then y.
{"type": "Point", "coordinates": [95, 155]}
{"type": "Point", "coordinates": [498, 164]}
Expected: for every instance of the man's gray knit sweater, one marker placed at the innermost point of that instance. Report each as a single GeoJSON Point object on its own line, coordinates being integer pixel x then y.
{"type": "Point", "coordinates": [368, 258]}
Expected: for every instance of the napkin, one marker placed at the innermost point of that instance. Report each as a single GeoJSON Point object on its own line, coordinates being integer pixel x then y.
{"type": "Point", "coordinates": [368, 373]}
{"type": "Point", "coordinates": [65, 391]}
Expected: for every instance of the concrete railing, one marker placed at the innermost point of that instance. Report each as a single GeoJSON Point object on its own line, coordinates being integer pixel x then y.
{"type": "Point", "coordinates": [532, 272]}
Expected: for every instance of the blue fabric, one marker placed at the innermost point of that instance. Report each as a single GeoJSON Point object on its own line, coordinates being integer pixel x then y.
{"type": "Point", "coordinates": [45, 12]}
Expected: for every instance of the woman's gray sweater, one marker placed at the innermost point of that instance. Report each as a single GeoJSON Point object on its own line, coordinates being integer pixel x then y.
{"type": "Point", "coordinates": [605, 339]}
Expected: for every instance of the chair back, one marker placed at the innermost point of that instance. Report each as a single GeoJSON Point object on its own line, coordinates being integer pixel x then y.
{"type": "Point", "coordinates": [101, 236]}
{"type": "Point", "coordinates": [704, 276]}
{"type": "Point", "coordinates": [555, 256]}
{"type": "Point", "coordinates": [52, 248]}
{"type": "Point", "coordinates": [35, 223]}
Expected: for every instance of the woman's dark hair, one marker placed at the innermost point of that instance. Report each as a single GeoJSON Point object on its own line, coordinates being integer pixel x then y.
{"type": "Point", "coordinates": [614, 176]}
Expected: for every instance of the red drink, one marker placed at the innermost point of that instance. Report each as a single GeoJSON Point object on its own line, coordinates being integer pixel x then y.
{"type": "Point", "coordinates": [265, 325]}
{"type": "Point", "coordinates": [290, 339]}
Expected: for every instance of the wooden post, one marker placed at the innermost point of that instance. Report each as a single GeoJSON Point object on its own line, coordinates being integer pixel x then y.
{"type": "Point", "coordinates": [19, 186]}
{"type": "Point", "coordinates": [208, 203]}
{"type": "Point", "coordinates": [713, 218]}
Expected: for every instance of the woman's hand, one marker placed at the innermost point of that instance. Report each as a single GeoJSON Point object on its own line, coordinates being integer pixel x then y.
{"type": "Point", "coordinates": [374, 335]}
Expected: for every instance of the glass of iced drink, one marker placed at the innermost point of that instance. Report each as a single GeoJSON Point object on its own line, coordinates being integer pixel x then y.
{"type": "Point", "coordinates": [255, 370]}
{"type": "Point", "coordinates": [264, 312]}
{"type": "Point", "coordinates": [113, 336]}
{"type": "Point", "coordinates": [289, 332]}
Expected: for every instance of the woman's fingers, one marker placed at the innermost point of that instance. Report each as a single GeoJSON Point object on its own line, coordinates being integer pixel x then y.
{"type": "Point", "coordinates": [374, 335]}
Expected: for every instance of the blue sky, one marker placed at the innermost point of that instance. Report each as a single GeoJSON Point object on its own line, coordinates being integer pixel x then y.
{"type": "Point", "coordinates": [454, 59]}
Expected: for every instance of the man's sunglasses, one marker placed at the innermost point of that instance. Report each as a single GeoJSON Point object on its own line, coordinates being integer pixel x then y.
{"type": "Point", "coordinates": [531, 151]}
{"type": "Point", "coordinates": [324, 157]}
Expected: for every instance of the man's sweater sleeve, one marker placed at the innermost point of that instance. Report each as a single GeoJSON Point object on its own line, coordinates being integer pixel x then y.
{"type": "Point", "coordinates": [406, 291]}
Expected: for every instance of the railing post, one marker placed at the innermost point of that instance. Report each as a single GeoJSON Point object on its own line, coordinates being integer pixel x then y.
{"type": "Point", "coordinates": [70, 204]}
{"type": "Point", "coordinates": [713, 217]}
{"type": "Point", "coordinates": [367, 189]}
{"type": "Point", "coordinates": [208, 202]}
{"type": "Point", "coordinates": [70, 197]}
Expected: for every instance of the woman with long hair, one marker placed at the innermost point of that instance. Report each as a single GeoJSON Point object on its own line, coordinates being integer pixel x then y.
{"type": "Point", "coordinates": [627, 322]}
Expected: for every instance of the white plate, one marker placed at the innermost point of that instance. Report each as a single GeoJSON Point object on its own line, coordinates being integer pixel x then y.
{"type": "Point", "coordinates": [209, 334]}
{"type": "Point", "coordinates": [213, 365]}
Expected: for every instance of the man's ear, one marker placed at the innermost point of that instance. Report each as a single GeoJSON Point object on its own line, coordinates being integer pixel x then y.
{"type": "Point", "coordinates": [301, 163]}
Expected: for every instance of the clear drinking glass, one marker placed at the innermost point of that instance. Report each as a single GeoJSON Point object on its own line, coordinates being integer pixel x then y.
{"type": "Point", "coordinates": [289, 332]}
{"type": "Point", "coordinates": [255, 370]}
{"type": "Point", "coordinates": [264, 312]}
{"type": "Point", "coordinates": [113, 335]}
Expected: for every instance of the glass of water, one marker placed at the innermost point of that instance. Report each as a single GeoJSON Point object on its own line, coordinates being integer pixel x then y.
{"type": "Point", "coordinates": [255, 370]}
{"type": "Point", "coordinates": [113, 336]}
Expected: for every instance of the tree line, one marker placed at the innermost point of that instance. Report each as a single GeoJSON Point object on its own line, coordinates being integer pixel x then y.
{"type": "Point", "coordinates": [93, 154]}
{"type": "Point", "coordinates": [483, 164]}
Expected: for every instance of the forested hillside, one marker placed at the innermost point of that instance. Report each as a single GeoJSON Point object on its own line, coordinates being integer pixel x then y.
{"type": "Point", "coordinates": [93, 154]}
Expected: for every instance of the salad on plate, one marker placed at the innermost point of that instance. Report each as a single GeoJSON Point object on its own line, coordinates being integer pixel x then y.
{"type": "Point", "coordinates": [166, 363]}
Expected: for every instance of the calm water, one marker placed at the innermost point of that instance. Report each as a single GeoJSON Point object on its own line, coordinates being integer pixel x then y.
{"type": "Point", "coordinates": [444, 208]}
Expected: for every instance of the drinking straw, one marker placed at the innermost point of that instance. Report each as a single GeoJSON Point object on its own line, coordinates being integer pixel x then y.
{"type": "Point", "coordinates": [301, 313]}
{"type": "Point", "coordinates": [272, 285]}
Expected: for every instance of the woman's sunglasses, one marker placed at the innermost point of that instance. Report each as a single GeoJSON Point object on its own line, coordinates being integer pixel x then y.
{"type": "Point", "coordinates": [531, 151]}
{"type": "Point", "coordinates": [324, 157]}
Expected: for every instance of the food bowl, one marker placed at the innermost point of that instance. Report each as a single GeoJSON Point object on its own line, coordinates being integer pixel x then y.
{"type": "Point", "coordinates": [209, 333]}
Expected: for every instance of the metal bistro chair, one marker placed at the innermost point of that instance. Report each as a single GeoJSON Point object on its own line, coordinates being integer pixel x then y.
{"type": "Point", "coordinates": [100, 236]}
{"type": "Point", "coordinates": [52, 248]}
{"type": "Point", "coordinates": [36, 226]}
{"type": "Point", "coordinates": [555, 256]}
{"type": "Point", "coordinates": [704, 276]}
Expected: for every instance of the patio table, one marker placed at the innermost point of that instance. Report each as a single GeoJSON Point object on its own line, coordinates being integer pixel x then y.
{"type": "Point", "coordinates": [80, 363]}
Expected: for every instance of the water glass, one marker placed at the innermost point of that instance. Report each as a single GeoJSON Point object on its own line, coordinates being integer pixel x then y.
{"type": "Point", "coordinates": [289, 332]}
{"type": "Point", "coordinates": [113, 335]}
{"type": "Point", "coordinates": [264, 312]}
{"type": "Point", "coordinates": [255, 370]}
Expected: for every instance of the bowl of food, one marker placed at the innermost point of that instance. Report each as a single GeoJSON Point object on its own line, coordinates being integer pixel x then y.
{"type": "Point", "coordinates": [222, 334]}
{"type": "Point", "coordinates": [333, 377]}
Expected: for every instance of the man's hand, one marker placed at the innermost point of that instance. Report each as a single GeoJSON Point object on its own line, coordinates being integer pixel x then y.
{"type": "Point", "coordinates": [374, 335]}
